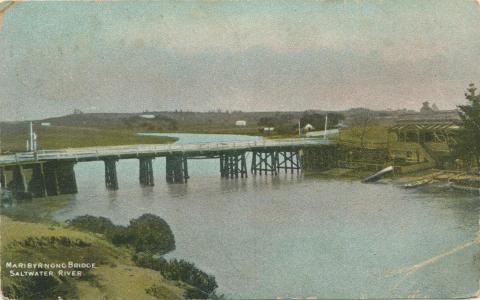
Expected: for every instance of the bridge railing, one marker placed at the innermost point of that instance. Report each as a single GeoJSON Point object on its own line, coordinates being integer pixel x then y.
{"type": "Point", "coordinates": [79, 153]}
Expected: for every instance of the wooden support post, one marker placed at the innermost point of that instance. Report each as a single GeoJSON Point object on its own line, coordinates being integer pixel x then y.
{"type": "Point", "coordinates": [298, 165]}
{"type": "Point", "coordinates": [37, 183]}
{"type": "Point", "coordinates": [222, 171]}
{"type": "Point", "coordinates": [19, 183]}
{"type": "Point", "coordinates": [3, 178]}
{"type": "Point", "coordinates": [266, 161]}
{"type": "Point", "coordinates": [236, 165]}
{"type": "Point", "coordinates": [185, 169]}
{"type": "Point", "coordinates": [146, 171]}
{"type": "Point", "coordinates": [51, 178]}
{"type": "Point", "coordinates": [111, 180]}
{"type": "Point", "coordinates": [232, 165]}
{"type": "Point", "coordinates": [244, 165]}
{"type": "Point", "coordinates": [266, 165]}
{"type": "Point", "coordinates": [253, 167]}
{"type": "Point", "coordinates": [176, 169]}
{"type": "Point", "coordinates": [274, 162]}
{"type": "Point", "coordinates": [67, 183]}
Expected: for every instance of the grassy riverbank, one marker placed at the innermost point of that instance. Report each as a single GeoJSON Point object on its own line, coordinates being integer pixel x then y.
{"type": "Point", "coordinates": [57, 137]}
{"type": "Point", "coordinates": [115, 276]}
{"type": "Point", "coordinates": [127, 265]}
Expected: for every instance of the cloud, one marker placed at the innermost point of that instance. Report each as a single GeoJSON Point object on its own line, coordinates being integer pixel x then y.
{"type": "Point", "coordinates": [129, 56]}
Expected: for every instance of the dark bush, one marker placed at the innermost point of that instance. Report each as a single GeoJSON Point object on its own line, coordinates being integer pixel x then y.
{"type": "Point", "coordinates": [187, 272]}
{"type": "Point", "coordinates": [41, 287]}
{"type": "Point", "coordinates": [147, 260]}
{"type": "Point", "coordinates": [92, 223]}
{"type": "Point", "coordinates": [194, 293]}
{"type": "Point", "coordinates": [180, 270]}
{"type": "Point", "coordinates": [147, 233]}
{"type": "Point", "coordinates": [119, 235]}
{"type": "Point", "coordinates": [151, 233]}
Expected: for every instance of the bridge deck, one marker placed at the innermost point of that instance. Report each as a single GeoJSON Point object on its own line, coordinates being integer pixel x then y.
{"type": "Point", "coordinates": [156, 150]}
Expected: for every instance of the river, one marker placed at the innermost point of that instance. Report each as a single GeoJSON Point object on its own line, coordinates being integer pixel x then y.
{"type": "Point", "coordinates": [299, 236]}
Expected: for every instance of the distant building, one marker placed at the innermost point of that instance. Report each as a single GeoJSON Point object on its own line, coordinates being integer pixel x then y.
{"type": "Point", "coordinates": [427, 140]}
{"type": "Point", "coordinates": [269, 129]}
{"type": "Point", "coordinates": [145, 116]}
{"type": "Point", "coordinates": [341, 125]}
{"type": "Point", "coordinates": [46, 124]}
{"type": "Point", "coordinates": [426, 107]}
{"type": "Point", "coordinates": [308, 127]}
{"type": "Point", "coordinates": [329, 132]}
{"type": "Point", "coordinates": [241, 123]}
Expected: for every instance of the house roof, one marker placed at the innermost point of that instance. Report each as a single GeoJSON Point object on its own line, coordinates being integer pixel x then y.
{"type": "Point", "coordinates": [428, 126]}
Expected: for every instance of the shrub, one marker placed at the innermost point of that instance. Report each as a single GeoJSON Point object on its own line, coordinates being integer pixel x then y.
{"type": "Point", "coordinates": [147, 260]}
{"type": "Point", "coordinates": [204, 285]}
{"type": "Point", "coordinates": [92, 223]}
{"type": "Point", "coordinates": [119, 235]}
{"type": "Point", "coordinates": [194, 293]}
{"type": "Point", "coordinates": [151, 233]}
{"type": "Point", "coordinates": [40, 287]}
{"type": "Point", "coordinates": [147, 233]}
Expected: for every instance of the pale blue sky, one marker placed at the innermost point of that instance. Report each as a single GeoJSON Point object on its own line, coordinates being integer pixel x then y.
{"type": "Point", "coordinates": [131, 56]}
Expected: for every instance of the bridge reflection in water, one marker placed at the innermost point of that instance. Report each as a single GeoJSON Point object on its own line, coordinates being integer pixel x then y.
{"type": "Point", "coordinates": [51, 172]}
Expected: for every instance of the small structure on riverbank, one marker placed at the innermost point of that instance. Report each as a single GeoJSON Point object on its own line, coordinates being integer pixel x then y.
{"type": "Point", "coordinates": [427, 139]}
{"type": "Point", "coordinates": [425, 131]}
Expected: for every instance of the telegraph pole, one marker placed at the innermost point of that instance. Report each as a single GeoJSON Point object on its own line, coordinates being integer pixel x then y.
{"type": "Point", "coordinates": [326, 126]}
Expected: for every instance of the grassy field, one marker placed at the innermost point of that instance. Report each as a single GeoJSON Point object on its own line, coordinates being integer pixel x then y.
{"type": "Point", "coordinates": [373, 135]}
{"type": "Point", "coordinates": [14, 140]}
{"type": "Point", "coordinates": [116, 277]}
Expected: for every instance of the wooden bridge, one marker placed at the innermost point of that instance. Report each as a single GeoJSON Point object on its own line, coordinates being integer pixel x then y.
{"type": "Point", "coordinates": [51, 172]}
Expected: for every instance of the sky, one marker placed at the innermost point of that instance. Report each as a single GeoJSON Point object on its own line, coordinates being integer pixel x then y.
{"type": "Point", "coordinates": [251, 56]}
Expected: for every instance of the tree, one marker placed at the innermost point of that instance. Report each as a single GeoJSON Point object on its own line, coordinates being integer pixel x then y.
{"type": "Point", "coordinates": [468, 139]}
{"type": "Point", "coordinates": [361, 123]}
{"type": "Point", "coordinates": [151, 233]}
{"type": "Point", "coordinates": [318, 120]}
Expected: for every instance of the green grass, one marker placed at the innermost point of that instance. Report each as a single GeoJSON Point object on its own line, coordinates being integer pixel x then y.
{"type": "Point", "coordinates": [376, 134]}
{"type": "Point", "coordinates": [73, 137]}
{"type": "Point", "coordinates": [116, 276]}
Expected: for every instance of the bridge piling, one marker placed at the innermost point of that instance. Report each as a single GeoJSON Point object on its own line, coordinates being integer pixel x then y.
{"type": "Point", "coordinates": [37, 183]}
{"type": "Point", "coordinates": [146, 171]}
{"type": "Point", "coordinates": [185, 169]}
{"type": "Point", "coordinates": [233, 165]}
{"type": "Point", "coordinates": [266, 161]}
{"type": "Point", "coordinates": [176, 169]}
{"type": "Point", "coordinates": [111, 180]}
{"type": "Point", "coordinates": [67, 182]}
{"type": "Point", "coordinates": [18, 183]}
{"type": "Point", "coordinates": [3, 178]}
{"type": "Point", "coordinates": [243, 171]}
{"type": "Point", "coordinates": [51, 178]}
{"type": "Point", "coordinates": [288, 160]}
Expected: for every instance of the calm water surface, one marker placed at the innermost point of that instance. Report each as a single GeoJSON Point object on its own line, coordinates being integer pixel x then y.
{"type": "Point", "coordinates": [296, 236]}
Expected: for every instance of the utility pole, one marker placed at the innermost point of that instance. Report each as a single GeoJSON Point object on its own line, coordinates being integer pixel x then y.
{"type": "Point", "coordinates": [30, 136]}
{"type": "Point", "coordinates": [32, 139]}
{"type": "Point", "coordinates": [326, 125]}
{"type": "Point", "coordinates": [299, 129]}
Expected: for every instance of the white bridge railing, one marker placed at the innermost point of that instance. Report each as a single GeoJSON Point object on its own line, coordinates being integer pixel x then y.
{"type": "Point", "coordinates": [98, 152]}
